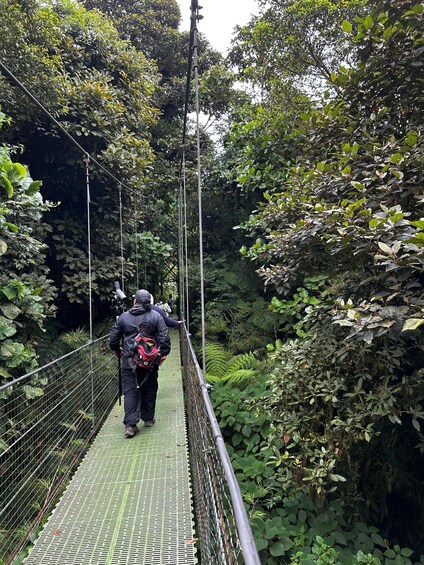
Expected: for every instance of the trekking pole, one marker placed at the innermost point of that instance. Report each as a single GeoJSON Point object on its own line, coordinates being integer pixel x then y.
{"type": "Point", "coordinates": [119, 381]}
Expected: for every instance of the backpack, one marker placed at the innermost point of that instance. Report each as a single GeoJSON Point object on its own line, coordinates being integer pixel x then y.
{"type": "Point", "coordinates": [144, 352]}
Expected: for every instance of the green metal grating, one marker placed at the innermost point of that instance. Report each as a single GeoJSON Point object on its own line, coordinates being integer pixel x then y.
{"type": "Point", "coordinates": [129, 501]}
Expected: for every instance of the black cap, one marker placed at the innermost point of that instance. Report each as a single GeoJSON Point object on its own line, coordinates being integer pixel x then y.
{"type": "Point", "coordinates": [142, 296]}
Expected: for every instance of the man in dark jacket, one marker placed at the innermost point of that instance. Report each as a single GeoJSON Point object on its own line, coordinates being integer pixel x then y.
{"type": "Point", "coordinates": [139, 388]}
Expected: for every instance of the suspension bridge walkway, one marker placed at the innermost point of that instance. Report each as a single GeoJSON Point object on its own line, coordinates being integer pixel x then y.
{"type": "Point", "coordinates": [130, 499]}
{"type": "Point", "coordinates": [168, 496]}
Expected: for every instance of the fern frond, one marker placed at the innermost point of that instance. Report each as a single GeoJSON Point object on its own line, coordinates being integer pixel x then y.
{"type": "Point", "coordinates": [216, 359]}
{"type": "Point", "coordinates": [48, 346]}
{"type": "Point", "coordinates": [76, 338]}
{"type": "Point", "coordinates": [238, 376]}
{"type": "Point", "coordinates": [242, 361]}
{"type": "Point", "coordinates": [212, 379]}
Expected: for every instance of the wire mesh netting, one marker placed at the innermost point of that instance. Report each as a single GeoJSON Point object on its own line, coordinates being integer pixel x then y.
{"type": "Point", "coordinates": [47, 419]}
{"type": "Point", "coordinates": [223, 528]}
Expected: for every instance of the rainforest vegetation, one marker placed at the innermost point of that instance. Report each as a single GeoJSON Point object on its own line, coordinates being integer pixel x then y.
{"type": "Point", "coordinates": [312, 162]}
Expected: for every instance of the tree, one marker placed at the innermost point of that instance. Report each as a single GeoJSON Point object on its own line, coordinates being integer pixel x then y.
{"type": "Point", "coordinates": [296, 42]}
{"type": "Point", "coordinates": [340, 240]}
{"type": "Point", "coordinates": [26, 292]}
{"type": "Point", "coordinates": [101, 91]}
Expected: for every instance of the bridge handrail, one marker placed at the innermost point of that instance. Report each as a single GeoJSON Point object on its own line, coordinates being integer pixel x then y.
{"type": "Point", "coordinates": [50, 364]}
{"type": "Point", "coordinates": [47, 419]}
{"type": "Point", "coordinates": [246, 540]}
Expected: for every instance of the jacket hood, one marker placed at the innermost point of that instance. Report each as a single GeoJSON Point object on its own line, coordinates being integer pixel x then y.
{"type": "Point", "coordinates": [138, 309]}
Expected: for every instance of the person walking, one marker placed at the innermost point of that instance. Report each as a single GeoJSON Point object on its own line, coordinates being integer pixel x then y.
{"type": "Point", "coordinates": [164, 305]}
{"type": "Point", "coordinates": [138, 385]}
{"type": "Point", "coordinates": [170, 322]}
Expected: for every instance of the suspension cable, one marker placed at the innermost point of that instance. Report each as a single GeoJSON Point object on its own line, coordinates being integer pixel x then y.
{"type": "Point", "coordinates": [90, 286]}
{"type": "Point", "coordinates": [29, 94]}
{"type": "Point", "coordinates": [182, 226]}
{"type": "Point", "coordinates": [183, 266]}
{"type": "Point", "coordinates": [87, 158]}
{"type": "Point", "coordinates": [247, 543]}
{"type": "Point", "coordinates": [137, 275]}
{"type": "Point", "coordinates": [181, 292]}
{"type": "Point", "coordinates": [194, 7]}
{"type": "Point", "coordinates": [185, 247]}
{"type": "Point", "coordinates": [121, 239]}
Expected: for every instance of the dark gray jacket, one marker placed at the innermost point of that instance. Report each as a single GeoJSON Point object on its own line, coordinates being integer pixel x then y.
{"type": "Point", "coordinates": [127, 327]}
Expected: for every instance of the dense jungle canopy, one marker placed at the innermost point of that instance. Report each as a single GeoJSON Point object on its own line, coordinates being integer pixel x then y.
{"type": "Point", "coordinates": [312, 162]}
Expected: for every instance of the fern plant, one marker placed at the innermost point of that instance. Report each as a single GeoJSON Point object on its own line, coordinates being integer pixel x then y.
{"type": "Point", "coordinates": [217, 359]}
{"type": "Point", "coordinates": [220, 367]}
{"type": "Point", "coordinates": [76, 338]}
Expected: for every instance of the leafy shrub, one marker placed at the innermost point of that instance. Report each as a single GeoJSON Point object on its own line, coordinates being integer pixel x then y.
{"type": "Point", "coordinates": [25, 292]}
{"type": "Point", "coordinates": [289, 525]}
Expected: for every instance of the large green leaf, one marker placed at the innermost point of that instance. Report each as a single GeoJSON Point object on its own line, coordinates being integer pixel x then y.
{"type": "Point", "coordinates": [3, 247]}
{"type": "Point", "coordinates": [10, 311]}
{"type": "Point", "coordinates": [32, 391]}
{"type": "Point", "coordinates": [7, 185]}
{"type": "Point", "coordinates": [6, 331]}
{"type": "Point", "coordinates": [4, 373]}
{"type": "Point", "coordinates": [412, 324]}
{"type": "Point", "coordinates": [16, 173]}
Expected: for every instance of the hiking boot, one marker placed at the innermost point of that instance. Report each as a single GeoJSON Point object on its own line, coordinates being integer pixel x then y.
{"type": "Point", "coordinates": [130, 431]}
{"type": "Point", "coordinates": [149, 423]}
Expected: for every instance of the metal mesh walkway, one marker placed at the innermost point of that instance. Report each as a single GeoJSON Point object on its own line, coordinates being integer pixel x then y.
{"type": "Point", "coordinates": [129, 501]}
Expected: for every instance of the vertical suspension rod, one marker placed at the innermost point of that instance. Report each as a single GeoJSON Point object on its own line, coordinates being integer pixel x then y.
{"type": "Point", "coordinates": [185, 247]}
{"type": "Point", "coordinates": [90, 290]}
{"type": "Point", "coordinates": [195, 8]}
{"type": "Point", "coordinates": [90, 286]}
{"type": "Point", "coordinates": [121, 239]}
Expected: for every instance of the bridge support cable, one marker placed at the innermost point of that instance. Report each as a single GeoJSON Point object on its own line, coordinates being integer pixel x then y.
{"type": "Point", "coordinates": [90, 283]}
{"type": "Point", "coordinates": [14, 80]}
{"type": "Point", "coordinates": [121, 239]}
{"type": "Point", "coordinates": [225, 532]}
{"type": "Point", "coordinates": [87, 159]}
{"type": "Point", "coordinates": [183, 246]}
{"type": "Point", "coordinates": [195, 18]}
{"type": "Point", "coordinates": [186, 248]}
{"type": "Point", "coordinates": [181, 255]}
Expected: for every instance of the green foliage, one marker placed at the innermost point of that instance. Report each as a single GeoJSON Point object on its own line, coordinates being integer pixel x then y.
{"type": "Point", "coordinates": [236, 314]}
{"type": "Point", "coordinates": [75, 338]}
{"type": "Point", "coordinates": [221, 367]}
{"type": "Point", "coordinates": [341, 210]}
{"type": "Point", "coordinates": [25, 292]}
{"type": "Point", "coordinates": [289, 526]}
{"type": "Point", "coordinates": [216, 360]}
{"type": "Point", "coordinates": [297, 310]}
{"type": "Point", "coordinates": [100, 88]}
{"type": "Point", "coordinates": [151, 256]}
{"type": "Point", "coordinates": [295, 41]}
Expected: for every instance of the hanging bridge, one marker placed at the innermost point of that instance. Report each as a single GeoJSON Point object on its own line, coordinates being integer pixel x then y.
{"type": "Point", "coordinates": [167, 496]}
{"type": "Point", "coordinates": [73, 490]}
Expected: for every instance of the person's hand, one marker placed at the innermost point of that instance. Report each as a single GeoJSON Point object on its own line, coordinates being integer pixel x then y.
{"type": "Point", "coordinates": [180, 321]}
{"type": "Point", "coordinates": [162, 359]}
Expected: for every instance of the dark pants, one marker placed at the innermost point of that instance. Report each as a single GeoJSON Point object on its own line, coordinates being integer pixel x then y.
{"type": "Point", "coordinates": [139, 401]}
